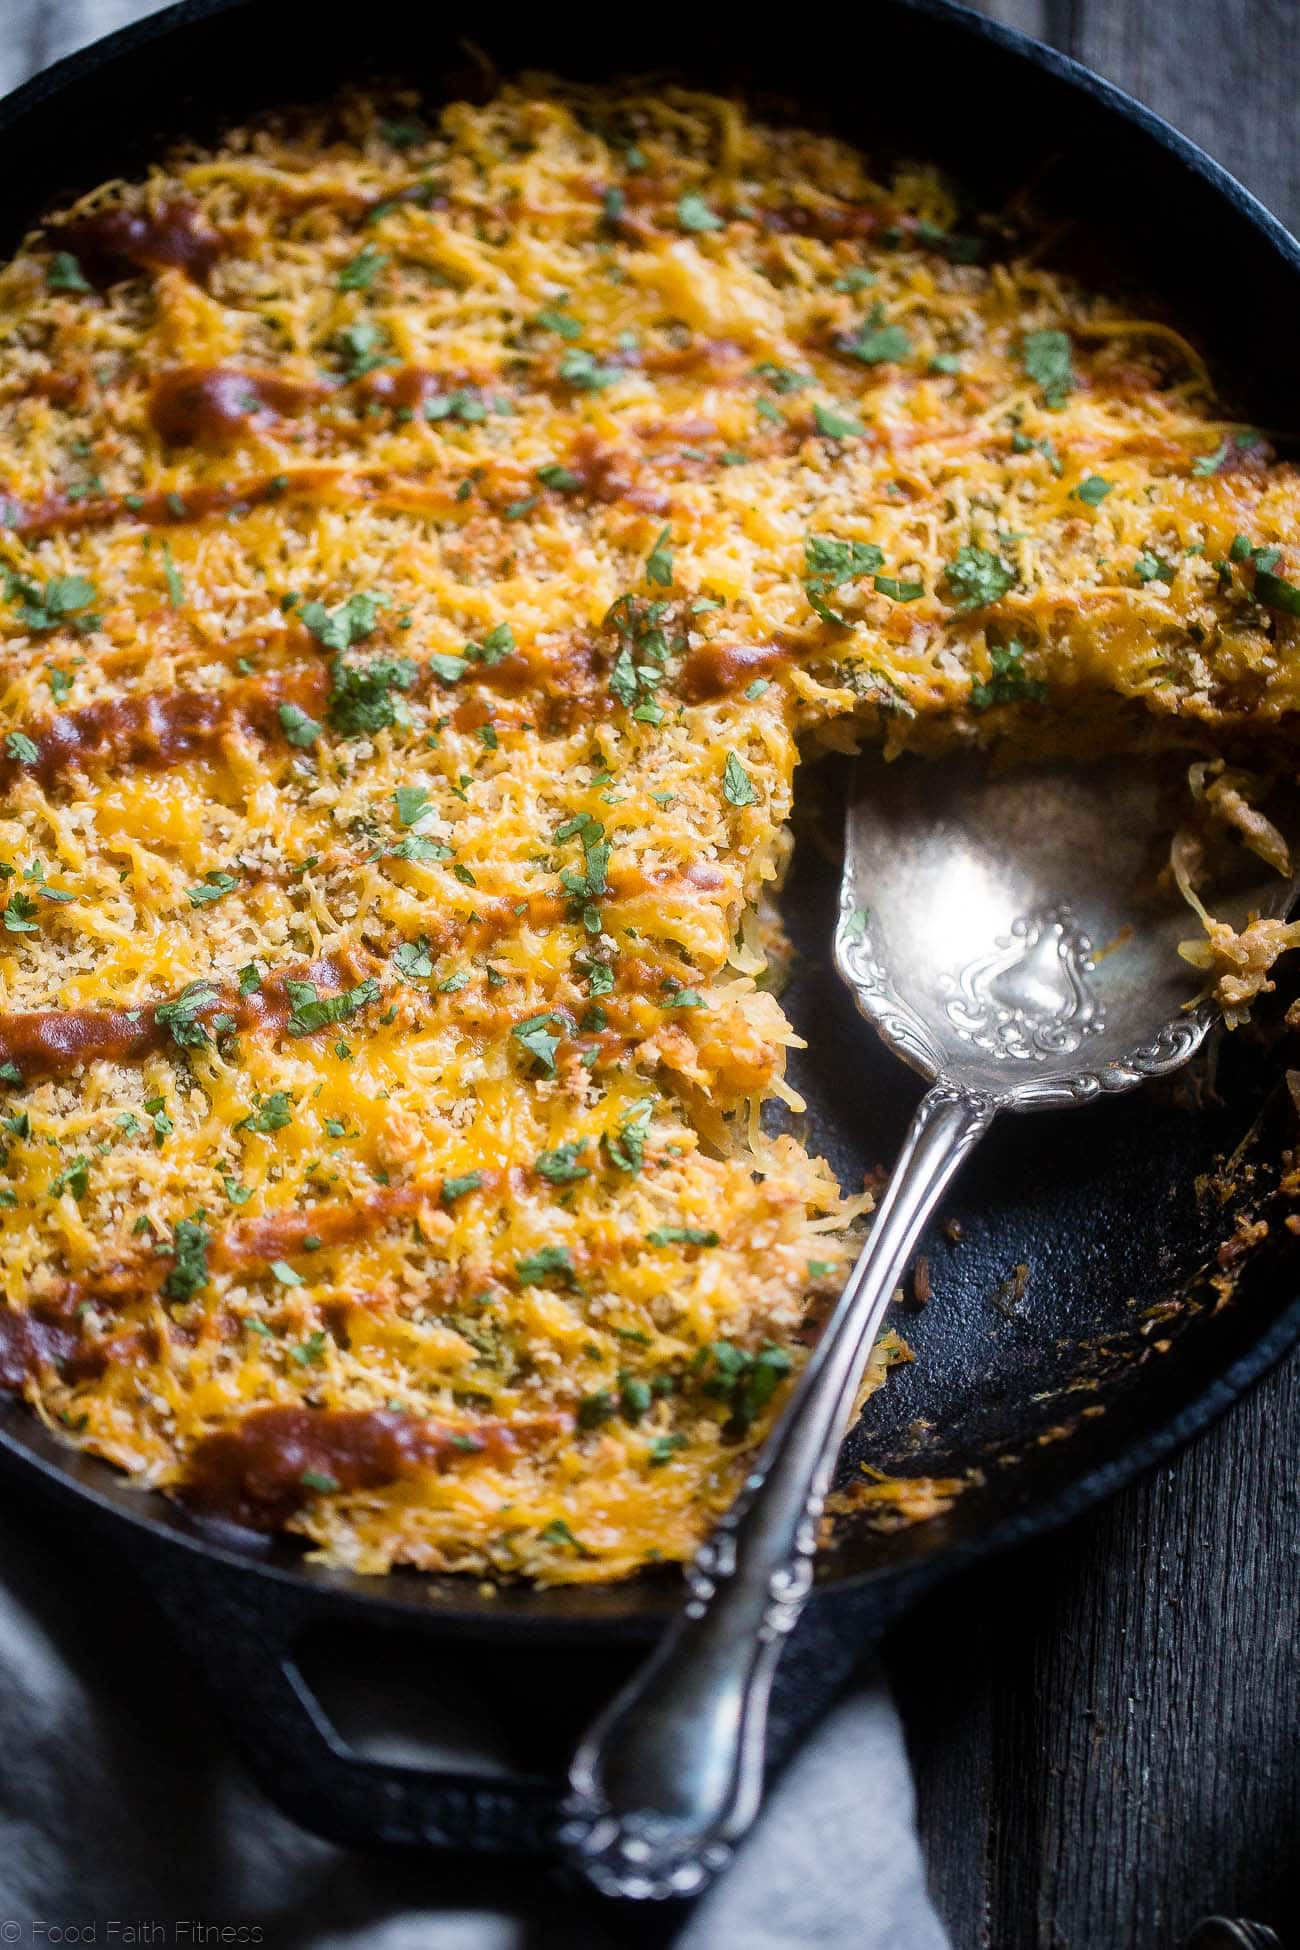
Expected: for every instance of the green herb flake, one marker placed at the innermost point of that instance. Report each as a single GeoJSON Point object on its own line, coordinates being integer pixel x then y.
{"type": "Point", "coordinates": [834, 424]}
{"type": "Point", "coordinates": [1276, 593]}
{"type": "Point", "coordinates": [561, 1166]}
{"type": "Point", "coordinates": [188, 1273]}
{"type": "Point", "coordinates": [539, 1041]}
{"type": "Point", "coordinates": [413, 961]}
{"type": "Point", "coordinates": [1008, 683]}
{"type": "Point", "coordinates": [298, 728]}
{"type": "Point", "coordinates": [978, 576]}
{"type": "Point", "coordinates": [272, 1114]}
{"type": "Point", "coordinates": [180, 1016]}
{"type": "Point", "coordinates": [360, 272]}
{"type": "Point", "coordinates": [659, 562]}
{"type": "Point", "coordinates": [1150, 567]}
{"type": "Point", "coordinates": [898, 592]}
{"type": "Point", "coordinates": [20, 915]}
{"type": "Point", "coordinates": [63, 273]}
{"type": "Point", "coordinates": [738, 789]}
{"type": "Point", "coordinates": [1046, 357]}
{"type": "Point", "coordinates": [312, 1011]}
{"type": "Point", "coordinates": [878, 344]}
{"type": "Point", "coordinates": [214, 885]}
{"type": "Point", "coordinates": [547, 1263]}
{"type": "Point", "coordinates": [682, 1236]}
{"type": "Point", "coordinates": [695, 216]}
{"type": "Point", "coordinates": [74, 1178]}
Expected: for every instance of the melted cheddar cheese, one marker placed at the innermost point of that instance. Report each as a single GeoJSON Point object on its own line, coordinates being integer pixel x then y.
{"type": "Point", "coordinates": [425, 545]}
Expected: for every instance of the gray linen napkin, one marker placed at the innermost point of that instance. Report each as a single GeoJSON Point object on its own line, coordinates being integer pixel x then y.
{"type": "Point", "coordinates": [122, 1805]}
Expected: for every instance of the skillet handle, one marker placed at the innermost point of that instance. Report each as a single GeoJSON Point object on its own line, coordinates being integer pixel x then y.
{"type": "Point", "coordinates": [670, 1776]}
{"type": "Point", "coordinates": [242, 1630]}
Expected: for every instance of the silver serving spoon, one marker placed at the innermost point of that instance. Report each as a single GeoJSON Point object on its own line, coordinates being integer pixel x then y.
{"type": "Point", "coordinates": [1004, 934]}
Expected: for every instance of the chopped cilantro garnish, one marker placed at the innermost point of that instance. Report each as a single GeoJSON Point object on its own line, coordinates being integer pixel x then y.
{"type": "Point", "coordinates": [1008, 683]}
{"type": "Point", "coordinates": [447, 667]}
{"type": "Point", "coordinates": [557, 1532]}
{"type": "Point", "coordinates": [412, 803]}
{"type": "Point", "coordinates": [682, 1236]}
{"type": "Point", "coordinates": [1093, 490]}
{"type": "Point", "coordinates": [595, 1408]}
{"type": "Point", "coordinates": [175, 580]}
{"type": "Point", "coordinates": [830, 562]}
{"type": "Point", "coordinates": [555, 320]}
{"type": "Point", "coordinates": [215, 884]}
{"type": "Point", "coordinates": [180, 1016]}
{"type": "Point", "coordinates": [1046, 358]}
{"type": "Point", "coordinates": [878, 344]}
{"type": "Point", "coordinates": [738, 789]}
{"type": "Point", "coordinates": [835, 424]}
{"type": "Point", "coordinates": [562, 479]}
{"type": "Point", "coordinates": [539, 1041]}
{"type": "Point", "coordinates": [352, 622]}
{"type": "Point", "coordinates": [272, 1114]}
{"type": "Point", "coordinates": [561, 1166]}
{"type": "Point", "coordinates": [189, 1269]}
{"type": "Point", "coordinates": [1276, 593]}
{"type": "Point", "coordinates": [694, 214]}
{"type": "Point", "coordinates": [360, 272]}
{"type": "Point", "coordinates": [1152, 568]}
{"type": "Point", "coordinates": [364, 347]}
{"type": "Point", "coordinates": [659, 562]}
{"type": "Point", "coordinates": [898, 592]}
{"type": "Point", "coordinates": [454, 1188]}
{"type": "Point", "coordinates": [581, 369]}
{"type": "Point", "coordinates": [74, 1178]}
{"type": "Point", "coordinates": [20, 915]}
{"type": "Point", "coordinates": [20, 747]}
{"type": "Point", "coordinates": [978, 576]}
{"type": "Point", "coordinates": [745, 1382]}
{"type": "Point", "coordinates": [63, 273]}
{"type": "Point", "coordinates": [312, 1011]}
{"type": "Point", "coordinates": [413, 961]}
{"type": "Point", "coordinates": [362, 699]}
{"type": "Point", "coordinates": [298, 728]}
{"type": "Point", "coordinates": [547, 1263]}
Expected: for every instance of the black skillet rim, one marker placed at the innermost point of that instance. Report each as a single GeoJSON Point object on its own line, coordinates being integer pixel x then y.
{"type": "Point", "coordinates": [27, 1449]}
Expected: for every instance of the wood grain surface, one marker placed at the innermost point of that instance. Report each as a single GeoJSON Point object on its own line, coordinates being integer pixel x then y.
{"type": "Point", "coordinates": [1106, 1729]}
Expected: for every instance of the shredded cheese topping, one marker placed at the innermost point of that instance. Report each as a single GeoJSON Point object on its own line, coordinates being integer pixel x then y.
{"type": "Point", "coordinates": [424, 546]}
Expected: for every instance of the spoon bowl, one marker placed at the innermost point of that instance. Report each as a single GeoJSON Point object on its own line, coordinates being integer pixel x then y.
{"type": "Point", "coordinates": [1017, 931]}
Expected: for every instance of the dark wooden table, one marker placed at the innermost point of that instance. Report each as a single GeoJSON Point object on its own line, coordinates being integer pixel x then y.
{"type": "Point", "coordinates": [1106, 1730]}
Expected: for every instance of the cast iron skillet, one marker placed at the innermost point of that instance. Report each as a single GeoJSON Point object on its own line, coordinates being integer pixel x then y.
{"type": "Point", "coordinates": [1115, 1352]}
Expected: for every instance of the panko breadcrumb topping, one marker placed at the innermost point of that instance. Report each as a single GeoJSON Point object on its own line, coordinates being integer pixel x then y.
{"type": "Point", "coordinates": [425, 542]}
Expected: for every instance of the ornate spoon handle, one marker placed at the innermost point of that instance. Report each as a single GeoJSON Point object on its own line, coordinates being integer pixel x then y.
{"type": "Point", "coordinates": [670, 1776]}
